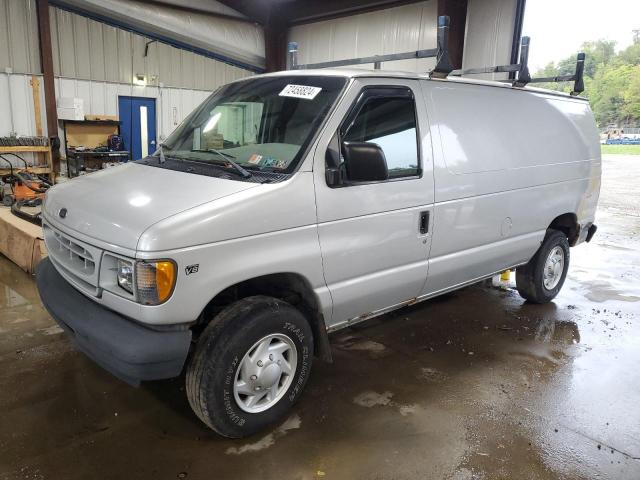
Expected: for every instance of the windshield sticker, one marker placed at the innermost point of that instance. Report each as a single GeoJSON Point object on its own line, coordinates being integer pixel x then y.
{"type": "Point", "coordinates": [268, 162]}
{"type": "Point", "coordinates": [300, 91]}
{"type": "Point", "coordinates": [255, 159]}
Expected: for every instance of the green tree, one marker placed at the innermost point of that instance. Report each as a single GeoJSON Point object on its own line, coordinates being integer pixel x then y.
{"type": "Point", "coordinates": [612, 80]}
{"type": "Point", "coordinates": [632, 96]}
{"type": "Point", "coordinates": [598, 53]}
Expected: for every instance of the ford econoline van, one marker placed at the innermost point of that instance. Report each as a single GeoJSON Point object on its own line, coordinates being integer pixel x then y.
{"type": "Point", "coordinates": [294, 204]}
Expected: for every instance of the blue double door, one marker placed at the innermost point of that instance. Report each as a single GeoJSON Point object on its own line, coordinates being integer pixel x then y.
{"type": "Point", "coordinates": [138, 125]}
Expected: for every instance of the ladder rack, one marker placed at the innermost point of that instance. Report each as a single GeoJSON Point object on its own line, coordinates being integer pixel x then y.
{"type": "Point", "coordinates": [444, 68]}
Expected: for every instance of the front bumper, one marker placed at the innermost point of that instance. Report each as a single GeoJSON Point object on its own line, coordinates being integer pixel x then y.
{"type": "Point", "coordinates": [128, 350]}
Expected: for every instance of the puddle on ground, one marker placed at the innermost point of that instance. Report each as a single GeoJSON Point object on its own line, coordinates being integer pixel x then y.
{"type": "Point", "coordinates": [268, 440]}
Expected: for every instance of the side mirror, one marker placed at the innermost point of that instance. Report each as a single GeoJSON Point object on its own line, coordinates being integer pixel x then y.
{"type": "Point", "coordinates": [364, 162]}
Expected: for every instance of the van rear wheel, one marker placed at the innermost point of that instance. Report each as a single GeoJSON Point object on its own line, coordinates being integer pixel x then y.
{"type": "Point", "coordinates": [250, 366]}
{"type": "Point", "coordinates": [540, 280]}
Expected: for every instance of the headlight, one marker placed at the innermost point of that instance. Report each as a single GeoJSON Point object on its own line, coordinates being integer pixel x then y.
{"type": "Point", "coordinates": [155, 281]}
{"type": "Point", "coordinates": [125, 275]}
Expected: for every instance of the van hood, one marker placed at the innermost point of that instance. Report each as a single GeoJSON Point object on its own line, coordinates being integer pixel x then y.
{"type": "Point", "coordinates": [117, 205]}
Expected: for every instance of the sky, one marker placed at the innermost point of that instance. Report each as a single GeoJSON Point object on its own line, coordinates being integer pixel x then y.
{"type": "Point", "coordinates": [558, 27]}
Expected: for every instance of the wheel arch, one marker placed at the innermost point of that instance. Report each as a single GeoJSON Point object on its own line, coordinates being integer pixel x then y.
{"type": "Point", "coordinates": [290, 287]}
{"type": "Point", "coordinates": [568, 224]}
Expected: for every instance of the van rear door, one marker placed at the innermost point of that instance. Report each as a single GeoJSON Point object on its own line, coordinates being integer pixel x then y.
{"type": "Point", "coordinates": [375, 235]}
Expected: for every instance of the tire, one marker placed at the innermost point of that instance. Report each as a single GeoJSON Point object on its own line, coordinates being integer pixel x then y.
{"type": "Point", "coordinates": [227, 344]}
{"type": "Point", "coordinates": [530, 278]}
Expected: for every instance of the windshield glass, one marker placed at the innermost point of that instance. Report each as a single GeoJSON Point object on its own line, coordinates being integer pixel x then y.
{"type": "Point", "coordinates": [263, 123]}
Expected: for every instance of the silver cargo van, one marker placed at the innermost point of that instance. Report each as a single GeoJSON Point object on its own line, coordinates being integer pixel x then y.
{"type": "Point", "coordinates": [291, 205]}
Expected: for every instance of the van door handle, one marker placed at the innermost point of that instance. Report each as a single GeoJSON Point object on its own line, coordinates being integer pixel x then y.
{"type": "Point", "coordinates": [424, 223]}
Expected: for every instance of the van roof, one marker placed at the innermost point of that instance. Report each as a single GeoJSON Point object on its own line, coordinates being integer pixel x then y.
{"type": "Point", "coordinates": [364, 73]}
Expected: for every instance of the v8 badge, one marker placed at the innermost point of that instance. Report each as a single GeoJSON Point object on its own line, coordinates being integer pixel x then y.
{"type": "Point", "coordinates": [189, 269]}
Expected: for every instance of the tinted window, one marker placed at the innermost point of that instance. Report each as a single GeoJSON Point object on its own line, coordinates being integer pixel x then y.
{"type": "Point", "coordinates": [389, 122]}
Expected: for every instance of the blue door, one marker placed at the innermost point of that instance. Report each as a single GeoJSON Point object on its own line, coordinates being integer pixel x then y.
{"type": "Point", "coordinates": [138, 125]}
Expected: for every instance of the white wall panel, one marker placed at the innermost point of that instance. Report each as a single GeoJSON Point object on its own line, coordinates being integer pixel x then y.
{"type": "Point", "coordinates": [82, 52]}
{"type": "Point", "coordinates": [19, 36]}
{"type": "Point", "coordinates": [111, 54]}
{"type": "Point", "coordinates": [393, 30]}
{"type": "Point", "coordinates": [66, 44]}
{"type": "Point", "coordinates": [17, 100]}
{"type": "Point", "coordinates": [489, 34]}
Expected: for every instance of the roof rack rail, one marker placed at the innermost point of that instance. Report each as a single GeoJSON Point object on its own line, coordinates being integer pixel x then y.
{"type": "Point", "coordinates": [441, 53]}
{"type": "Point", "coordinates": [520, 67]}
{"type": "Point", "coordinates": [577, 77]}
{"type": "Point", "coordinates": [444, 67]}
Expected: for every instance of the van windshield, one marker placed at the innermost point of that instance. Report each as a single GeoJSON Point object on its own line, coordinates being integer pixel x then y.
{"type": "Point", "coordinates": [260, 124]}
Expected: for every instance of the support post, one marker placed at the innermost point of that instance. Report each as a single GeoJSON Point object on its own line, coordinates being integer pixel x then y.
{"type": "Point", "coordinates": [456, 10]}
{"type": "Point", "coordinates": [275, 45]}
{"type": "Point", "coordinates": [524, 76]}
{"type": "Point", "coordinates": [46, 60]}
{"type": "Point", "coordinates": [443, 62]}
{"type": "Point", "coordinates": [578, 84]}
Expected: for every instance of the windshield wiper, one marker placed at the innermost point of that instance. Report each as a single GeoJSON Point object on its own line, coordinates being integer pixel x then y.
{"type": "Point", "coordinates": [229, 159]}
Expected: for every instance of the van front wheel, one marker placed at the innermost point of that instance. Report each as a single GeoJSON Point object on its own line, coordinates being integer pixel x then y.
{"type": "Point", "coordinates": [250, 366]}
{"type": "Point", "coordinates": [540, 280]}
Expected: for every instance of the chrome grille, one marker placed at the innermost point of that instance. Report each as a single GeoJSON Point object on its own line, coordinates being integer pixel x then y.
{"type": "Point", "coordinates": [75, 260]}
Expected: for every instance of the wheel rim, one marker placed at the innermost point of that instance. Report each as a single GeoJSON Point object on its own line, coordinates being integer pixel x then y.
{"type": "Point", "coordinates": [265, 373]}
{"type": "Point", "coordinates": [553, 268]}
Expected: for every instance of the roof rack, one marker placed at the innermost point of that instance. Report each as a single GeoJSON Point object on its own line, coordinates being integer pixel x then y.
{"type": "Point", "coordinates": [441, 53]}
{"type": "Point", "coordinates": [444, 67]}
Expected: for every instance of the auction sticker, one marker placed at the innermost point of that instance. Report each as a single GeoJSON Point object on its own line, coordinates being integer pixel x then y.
{"type": "Point", "coordinates": [255, 158]}
{"type": "Point", "coordinates": [300, 91]}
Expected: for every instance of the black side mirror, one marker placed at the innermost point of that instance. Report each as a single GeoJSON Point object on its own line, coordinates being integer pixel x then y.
{"type": "Point", "coordinates": [364, 162]}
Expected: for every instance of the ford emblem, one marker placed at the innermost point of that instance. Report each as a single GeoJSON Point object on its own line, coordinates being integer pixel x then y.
{"type": "Point", "coordinates": [62, 213]}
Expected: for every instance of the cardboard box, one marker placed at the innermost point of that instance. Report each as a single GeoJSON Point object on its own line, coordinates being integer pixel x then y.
{"type": "Point", "coordinates": [70, 113]}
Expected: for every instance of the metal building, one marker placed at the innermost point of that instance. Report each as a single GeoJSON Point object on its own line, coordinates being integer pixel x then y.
{"type": "Point", "coordinates": [177, 52]}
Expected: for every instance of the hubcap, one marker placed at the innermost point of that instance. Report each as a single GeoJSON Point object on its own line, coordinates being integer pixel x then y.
{"type": "Point", "coordinates": [553, 268]}
{"type": "Point", "coordinates": [265, 373]}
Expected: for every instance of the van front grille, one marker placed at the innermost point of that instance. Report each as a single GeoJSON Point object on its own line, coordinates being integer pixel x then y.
{"type": "Point", "coordinates": [74, 254]}
{"type": "Point", "coordinates": [75, 260]}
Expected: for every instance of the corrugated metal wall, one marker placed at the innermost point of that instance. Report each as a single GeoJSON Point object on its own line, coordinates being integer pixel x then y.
{"type": "Point", "coordinates": [393, 30]}
{"type": "Point", "coordinates": [489, 34]}
{"type": "Point", "coordinates": [90, 50]}
{"type": "Point", "coordinates": [97, 62]}
{"type": "Point", "coordinates": [19, 36]}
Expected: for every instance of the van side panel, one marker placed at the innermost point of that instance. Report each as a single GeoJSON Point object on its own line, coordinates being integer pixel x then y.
{"type": "Point", "coordinates": [506, 163]}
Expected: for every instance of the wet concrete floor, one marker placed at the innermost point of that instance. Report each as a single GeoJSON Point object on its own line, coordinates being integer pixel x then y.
{"type": "Point", "coordinates": [472, 385]}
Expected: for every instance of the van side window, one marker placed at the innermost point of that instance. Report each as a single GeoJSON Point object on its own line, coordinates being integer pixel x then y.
{"type": "Point", "coordinates": [389, 122]}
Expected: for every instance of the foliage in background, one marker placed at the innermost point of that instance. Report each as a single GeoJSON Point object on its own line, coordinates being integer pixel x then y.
{"type": "Point", "coordinates": [612, 81]}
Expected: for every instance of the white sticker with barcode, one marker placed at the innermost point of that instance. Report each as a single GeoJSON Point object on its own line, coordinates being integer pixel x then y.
{"type": "Point", "coordinates": [300, 91]}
